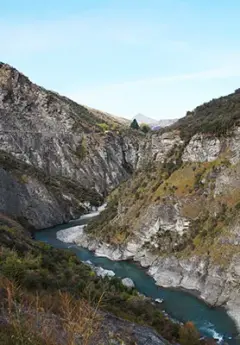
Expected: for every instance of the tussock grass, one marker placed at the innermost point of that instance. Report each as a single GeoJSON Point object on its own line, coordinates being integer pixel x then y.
{"type": "Point", "coordinates": [29, 319]}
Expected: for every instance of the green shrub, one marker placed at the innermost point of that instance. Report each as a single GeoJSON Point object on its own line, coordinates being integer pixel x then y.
{"type": "Point", "coordinates": [103, 126]}
{"type": "Point", "coordinates": [217, 117]}
{"type": "Point", "coordinates": [145, 128]}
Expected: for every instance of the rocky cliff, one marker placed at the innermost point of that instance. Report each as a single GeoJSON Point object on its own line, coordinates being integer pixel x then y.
{"type": "Point", "coordinates": [179, 213]}
{"type": "Point", "coordinates": [56, 157]}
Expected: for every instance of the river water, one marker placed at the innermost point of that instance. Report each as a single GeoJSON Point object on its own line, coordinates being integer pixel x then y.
{"type": "Point", "coordinates": [180, 305]}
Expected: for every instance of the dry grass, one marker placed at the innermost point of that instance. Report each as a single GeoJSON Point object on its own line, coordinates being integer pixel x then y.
{"type": "Point", "coordinates": [181, 179]}
{"type": "Point", "coordinates": [192, 208]}
{"type": "Point", "coordinates": [50, 319]}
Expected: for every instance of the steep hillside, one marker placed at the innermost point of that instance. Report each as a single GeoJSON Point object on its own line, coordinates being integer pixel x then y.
{"type": "Point", "coordinates": [57, 160]}
{"type": "Point", "coordinates": [48, 297]}
{"type": "Point", "coordinates": [175, 211]}
{"type": "Point", "coordinates": [179, 213]}
{"type": "Point", "coordinates": [56, 156]}
{"type": "Point", "coordinates": [216, 117]}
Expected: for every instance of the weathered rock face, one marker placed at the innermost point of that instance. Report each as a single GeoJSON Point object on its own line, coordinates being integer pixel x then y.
{"type": "Point", "coordinates": [61, 139]}
{"type": "Point", "coordinates": [131, 333]}
{"type": "Point", "coordinates": [202, 149]}
{"type": "Point", "coordinates": [33, 201]}
{"type": "Point", "coordinates": [56, 161]}
{"type": "Point", "coordinates": [212, 283]}
{"type": "Point", "coordinates": [157, 148]}
{"type": "Point", "coordinates": [187, 235]}
{"type": "Point", "coordinates": [98, 162]}
{"type": "Point", "coordinates": [205, 148]}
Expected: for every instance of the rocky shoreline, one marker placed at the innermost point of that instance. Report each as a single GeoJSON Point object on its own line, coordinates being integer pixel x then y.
{"type": "Point", "coordinates": [194, 275]}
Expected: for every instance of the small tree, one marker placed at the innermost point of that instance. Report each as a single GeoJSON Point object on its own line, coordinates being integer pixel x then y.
{"type": "Point", "coordinates": [134, 124]}
{"type": "Point", "coordinates": [189, 335]}
{"type": "Point", "coordinates": [145, 128]}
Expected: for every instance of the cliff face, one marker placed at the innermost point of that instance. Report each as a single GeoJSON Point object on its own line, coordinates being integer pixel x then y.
{"type": "Point", "coordinates": [177, 214]}
{"type": "Point", "coordinates": [56, 156]}
{"type": "Point", "coordinates": [180, 218]}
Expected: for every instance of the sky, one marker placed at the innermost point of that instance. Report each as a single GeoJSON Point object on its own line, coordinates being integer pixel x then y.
{"type": "Point", "coordinates": [160, 58]}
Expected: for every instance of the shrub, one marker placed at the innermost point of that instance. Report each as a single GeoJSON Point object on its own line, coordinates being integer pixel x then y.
{"type": "Point", "coordinates": [189, 335]}
{"type": "Point", "coordinates": [145, 128]}
{"type": "Point", "coordinates": [217, 117]}
{"type": "Point", "coordinates": [103, 126]}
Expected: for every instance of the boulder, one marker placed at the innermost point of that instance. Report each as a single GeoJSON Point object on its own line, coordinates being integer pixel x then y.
{"type": "Point", "coordinates": [128, 283]}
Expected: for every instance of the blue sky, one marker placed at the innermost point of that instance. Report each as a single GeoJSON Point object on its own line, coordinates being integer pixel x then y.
{"type": "Point", "coordinates": [157, 57]}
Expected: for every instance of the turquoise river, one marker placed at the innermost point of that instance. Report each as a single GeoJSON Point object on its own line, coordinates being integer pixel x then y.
{"type": "Point", "coordinates": [179, 305]}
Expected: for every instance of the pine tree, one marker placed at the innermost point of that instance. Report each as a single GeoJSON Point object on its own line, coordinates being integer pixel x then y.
{"type": "Point", "coordinates": [134, 124]}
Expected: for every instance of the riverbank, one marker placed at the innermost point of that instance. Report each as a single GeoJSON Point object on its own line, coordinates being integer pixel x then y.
{"type": "Point", "coordinates": [178, 304]}
{"type": "Point", "coordinates": [194, 275]}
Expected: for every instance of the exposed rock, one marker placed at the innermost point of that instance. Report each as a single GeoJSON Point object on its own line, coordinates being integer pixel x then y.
{"type": "Point", "coordinates": [159, 300]}
{"type": "Point", "coordinates": [215, 285]}
{"type": "Point", "coordinates": [101, 272]}
{"type": "Point", "coordinates": [205, 148]}
{"type": "Point", "coordinates": [57, 137]}
{"type": "Point", "coordinates": [56, 164]}
{"type": "Point", "coordinates": [70, 235]}
{"type": "Point", "coordinates": [157, 148]}
{"type": "Point", "coordinates": [128, 283]}
{"type": "Point", "coordinates": [162, 228]}
{"type": "Point", "coordinates": [129, 332]}
{"type": "Point", "coordinates": [202, 149]}
{"type": "Point", "coordinates": [33, 201]}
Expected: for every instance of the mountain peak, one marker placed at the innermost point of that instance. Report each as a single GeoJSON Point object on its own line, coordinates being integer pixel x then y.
{"type": "Point", "coordinates": [154, 124]}
{"type": "Point", "coordinates": [145, 119]}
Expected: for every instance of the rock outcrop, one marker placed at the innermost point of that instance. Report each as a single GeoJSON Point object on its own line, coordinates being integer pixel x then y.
{"type": "Point", "coordinates": [62, 156]}
{"type": "Point", "coordinates": [184, 225]}
{"type": "Point", "coordinates": [177, 215]}
{"type": "Point", "coordinates": [43, 133]}
{"type": "Point", "coordinates": [128, 282]}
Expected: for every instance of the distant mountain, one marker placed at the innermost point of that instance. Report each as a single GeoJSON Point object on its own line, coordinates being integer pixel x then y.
{"type": "Point", "coordinates": [154, 124]}
{"type": "Point", "coordinates": [145, 119]}
{"type": "Point", "coordinates": [165, 123]}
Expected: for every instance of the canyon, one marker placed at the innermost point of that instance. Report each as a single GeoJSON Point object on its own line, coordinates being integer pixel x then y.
{"type": "Point", "coordinates": [173, 195]}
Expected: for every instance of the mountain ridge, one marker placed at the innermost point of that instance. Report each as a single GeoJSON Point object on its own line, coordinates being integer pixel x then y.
{"type": "Point", "coordinates": [153, 123]}
{"type": "Point", "coordinates": [57, 143]}
{"type": "Point", "coordinates": [181, 218]}
{"type": "Point", "coordinates": [59, 160]}
{"type": "Point", "coordinates": [174, 194]}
